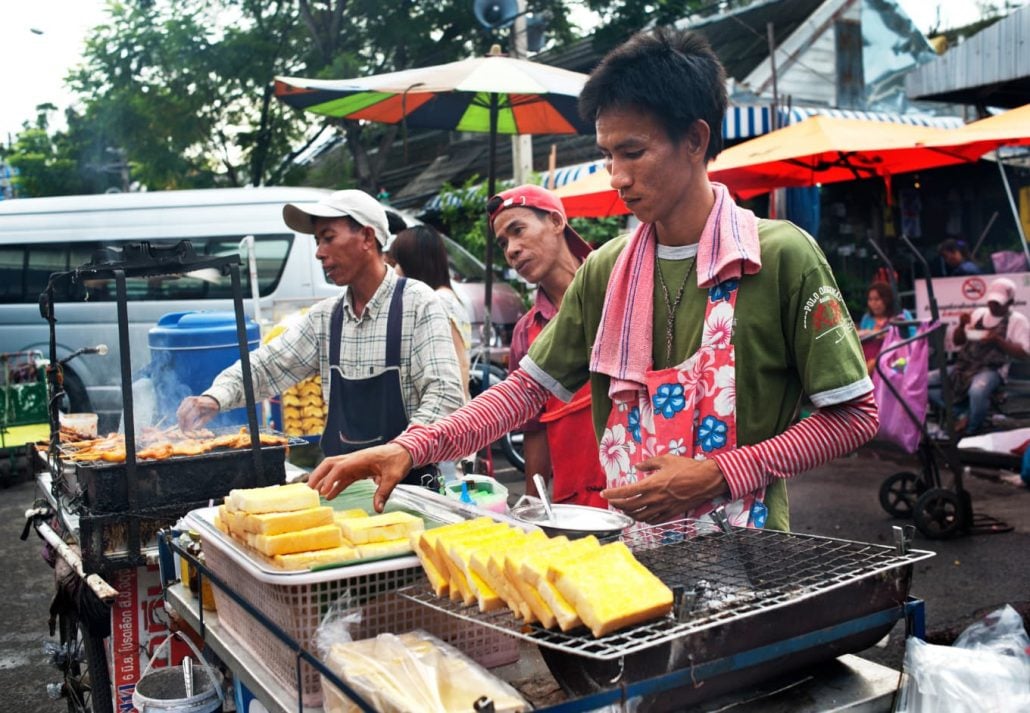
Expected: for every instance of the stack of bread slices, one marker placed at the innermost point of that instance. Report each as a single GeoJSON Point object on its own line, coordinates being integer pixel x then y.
{"type": "Point", "coordinates": [288, 525]}
{"type": "Point", "coordinates": [555, 582]}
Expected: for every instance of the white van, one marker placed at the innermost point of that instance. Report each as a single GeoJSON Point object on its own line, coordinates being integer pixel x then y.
{"type": "Point", "coordinates": [39, 236]}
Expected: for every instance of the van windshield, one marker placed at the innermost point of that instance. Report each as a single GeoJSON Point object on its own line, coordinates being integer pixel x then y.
{"type": "Point", "coordinates": [26, 268]}
{"type": "Point", "coordinates": [464, 265]}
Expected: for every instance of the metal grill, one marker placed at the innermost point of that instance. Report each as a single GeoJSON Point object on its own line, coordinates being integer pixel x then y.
{"type": "Point", "coordinates": [716, 577]}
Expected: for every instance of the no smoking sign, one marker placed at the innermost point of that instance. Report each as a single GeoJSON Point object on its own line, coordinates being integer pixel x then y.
{"type": "Point", "coordinates": [974, 289]}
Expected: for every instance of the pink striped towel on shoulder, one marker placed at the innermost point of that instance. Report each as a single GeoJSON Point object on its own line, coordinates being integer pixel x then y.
{"type": "Point", "coordinates": [728, 249]}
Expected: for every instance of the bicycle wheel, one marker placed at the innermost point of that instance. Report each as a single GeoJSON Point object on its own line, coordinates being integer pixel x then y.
{"type": "Point", "coordinates": [511, 444]}
{"type": "Point", "coordinates": [86, 687]}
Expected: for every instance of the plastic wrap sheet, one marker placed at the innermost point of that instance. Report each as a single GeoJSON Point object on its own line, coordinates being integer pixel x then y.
{"type": "Point", "coordinates": [412, 673]}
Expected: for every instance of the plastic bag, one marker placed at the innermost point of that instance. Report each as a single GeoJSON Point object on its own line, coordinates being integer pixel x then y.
{"type": "Point", "coordinates": [905, 368]}
{"type": "Point", "coordinates": [1002, 632]}
{"type": "Point", "coordinates": [988, 669]}
{"type": "Point", "coordinates": [413, 673]}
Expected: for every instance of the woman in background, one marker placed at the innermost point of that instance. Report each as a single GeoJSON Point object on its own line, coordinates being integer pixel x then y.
{"type": "Point", "coordinates": [419, 253]}
{"type": "Point", "coordinates": [881, 307]}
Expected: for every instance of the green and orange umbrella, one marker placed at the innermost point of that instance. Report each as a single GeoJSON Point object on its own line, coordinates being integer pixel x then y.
{"type": "Point", "coordinates": [492, 94]}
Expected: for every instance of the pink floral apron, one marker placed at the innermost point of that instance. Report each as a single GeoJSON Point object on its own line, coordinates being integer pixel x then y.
{"type": "Point", "coordinates": [686, 410]}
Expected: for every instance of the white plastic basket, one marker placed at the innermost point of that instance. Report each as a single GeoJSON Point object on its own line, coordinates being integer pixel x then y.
{"type": "Point", "coordinates": [297, 603]}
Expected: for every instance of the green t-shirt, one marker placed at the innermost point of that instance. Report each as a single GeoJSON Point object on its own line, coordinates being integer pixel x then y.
{"type": "Point", "coordinates": [793, 336]}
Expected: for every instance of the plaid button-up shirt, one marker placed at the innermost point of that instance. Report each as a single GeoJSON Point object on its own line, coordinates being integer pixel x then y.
{"type": "Point", "coordinates": [430, 378]}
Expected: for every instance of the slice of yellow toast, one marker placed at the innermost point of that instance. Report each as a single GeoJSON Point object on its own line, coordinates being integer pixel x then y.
{"type": "Point", "coordinates": [348, 514]}
{"type": "Point", "coordinates": [461, 553]}
{"type": "Point", "coordinates": [424, 544]}
{"type": "Point", "coordinates": [457, 585]}
{"type": "Point", "coordinates": [322, 537]}
{"type": "Point", "coordinates": [233, 521]}
{"type": "Point", "coordinates": [389, 548]}
{"type": "Point", "coordinates": [380, 528]}
{"type": "Point", "coordinates": [315, 558]}
{"type": "Point", "coordinates": [276, 523]}
{"type": "Point", "coordinates": [534, 573]}
{"type": "Point", "coordinates": [513, 561]}
{"type": "Point", "coordinates": [273, 498]}
{"type": "Point", "coordinates": [479, 563]}
{"type": "Point", "coordinates": [610, 589]}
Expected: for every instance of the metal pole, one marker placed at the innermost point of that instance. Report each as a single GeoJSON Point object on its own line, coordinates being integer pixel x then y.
{"type": "Point", "coordinates": [770, 37]}
{"type": "Point", "coordinates": [488, 287]}
{"type": "Point", "coordinates": [521, 144]}
{"type": "Point", "coordinates": [1012, 206]}
{"type": "Point", "coordinates": [777, 202]}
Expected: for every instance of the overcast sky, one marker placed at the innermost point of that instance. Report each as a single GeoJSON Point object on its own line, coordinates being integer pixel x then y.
{"type": "Point", "coordinates": [43, 39]}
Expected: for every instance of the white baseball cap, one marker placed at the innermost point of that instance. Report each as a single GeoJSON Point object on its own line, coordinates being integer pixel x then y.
{"type": "Point", "coordinates": [1001, 291]}
{"type": "Point", "coordinates": [359, 205]}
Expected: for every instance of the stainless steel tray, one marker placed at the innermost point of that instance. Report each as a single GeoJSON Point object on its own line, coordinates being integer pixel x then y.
{"type": "Point", "coordinates": [718, 578]}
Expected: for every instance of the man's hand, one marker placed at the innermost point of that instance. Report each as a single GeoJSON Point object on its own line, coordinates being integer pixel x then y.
{"type": "Point", "coordinates": [964, 319]}
{"type": "Point", "coordinates": [195, 411]}
{"type": "Point", "coordinates": [386, 465]}
{"type": "Point", "coordinates": [674, 485]}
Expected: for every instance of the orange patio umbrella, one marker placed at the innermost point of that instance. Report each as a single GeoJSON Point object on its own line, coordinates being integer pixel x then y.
{"type": "Point", "coordinates": [820, 149]}
{"type": "Point", "coordinates": [824, 149]}
{"type": "Point", "coordinates": [1010, 128]}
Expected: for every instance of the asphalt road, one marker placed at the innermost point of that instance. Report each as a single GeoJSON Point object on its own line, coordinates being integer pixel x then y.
{"type": "Point", "coordinates": [968, 576]}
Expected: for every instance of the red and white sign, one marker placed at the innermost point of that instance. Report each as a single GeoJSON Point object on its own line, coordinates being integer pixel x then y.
{"type": "Point", "coordinates": [136, 631]}
{"type": "Point", "coordinates": [956, 295]}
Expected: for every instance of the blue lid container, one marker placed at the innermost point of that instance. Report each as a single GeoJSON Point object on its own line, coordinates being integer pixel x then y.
{"type": "Point", "coordinates": [188, 350]}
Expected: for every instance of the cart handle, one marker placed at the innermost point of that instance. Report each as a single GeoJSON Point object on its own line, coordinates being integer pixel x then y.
{"type": "Point", "coordinates": [36, 517]}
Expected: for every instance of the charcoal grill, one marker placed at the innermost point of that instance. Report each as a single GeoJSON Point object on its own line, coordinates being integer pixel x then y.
{"type": "Point", "coordinates": [750, 604]}
{"type": "Point", "coordinates": [102, 487]}
{"type": "Point", "coordinates": [143, 494]}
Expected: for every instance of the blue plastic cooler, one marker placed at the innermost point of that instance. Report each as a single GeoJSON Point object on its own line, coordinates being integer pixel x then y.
{"type": "Point", "coordinates": [188, 350]}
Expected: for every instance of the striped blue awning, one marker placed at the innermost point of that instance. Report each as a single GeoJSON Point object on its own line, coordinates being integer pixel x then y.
{"type": "Point", "coordinates": [746, 122]}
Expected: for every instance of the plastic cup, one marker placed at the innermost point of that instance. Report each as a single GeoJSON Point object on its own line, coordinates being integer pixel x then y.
{"type": "Point", "coordinates": [82, 425]}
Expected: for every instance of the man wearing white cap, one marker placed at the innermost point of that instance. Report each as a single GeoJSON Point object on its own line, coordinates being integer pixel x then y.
{"type": "Point", "coordinates": [383, 348]}
{"type": "Point", "coordinates": [990, 338]}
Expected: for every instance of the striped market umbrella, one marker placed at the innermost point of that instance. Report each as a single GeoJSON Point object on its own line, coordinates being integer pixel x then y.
{"type": "Point", "coordinates": [492, 94]}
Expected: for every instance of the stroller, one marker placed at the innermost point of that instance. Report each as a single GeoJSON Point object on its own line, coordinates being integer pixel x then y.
{"type": "Point", "coordinates": [938, 512]}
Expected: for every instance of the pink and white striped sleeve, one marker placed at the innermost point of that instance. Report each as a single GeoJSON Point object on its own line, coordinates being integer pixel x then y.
{"type": "Point", "coordinates": [828, 433]}
{"type": "Point", "coordinates": [499, 409]}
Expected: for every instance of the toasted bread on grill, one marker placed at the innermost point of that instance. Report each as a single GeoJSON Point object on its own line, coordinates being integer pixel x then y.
{"type": "Point", "coordinates": [610, 589]}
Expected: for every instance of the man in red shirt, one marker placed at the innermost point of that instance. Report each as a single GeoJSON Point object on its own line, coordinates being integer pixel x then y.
{"type": "Point", "coordinates": [539, 244]}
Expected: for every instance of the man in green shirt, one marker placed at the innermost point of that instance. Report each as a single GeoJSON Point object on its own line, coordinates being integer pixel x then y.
{"type": "Point", "coordinates": [699, 334]}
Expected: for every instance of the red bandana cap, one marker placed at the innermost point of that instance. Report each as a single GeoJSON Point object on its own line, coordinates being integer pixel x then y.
{"type": "Point", "coordinates": [530, 196]}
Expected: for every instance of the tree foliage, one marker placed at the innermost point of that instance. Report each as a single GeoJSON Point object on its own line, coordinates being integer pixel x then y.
{"type": "Point", "coordinates": [183, 89]}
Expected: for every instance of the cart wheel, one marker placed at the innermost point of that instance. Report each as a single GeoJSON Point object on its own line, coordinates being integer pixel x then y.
{"type": "Point", "coordinates": [87, 681]}
{"type": "Point", "coordinates": [939, 514]}
{"type": "Point", "coordinates": [899, 493]}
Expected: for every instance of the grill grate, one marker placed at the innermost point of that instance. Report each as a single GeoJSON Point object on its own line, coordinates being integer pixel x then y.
{"type": "Point", "coordinates": [716, 577]}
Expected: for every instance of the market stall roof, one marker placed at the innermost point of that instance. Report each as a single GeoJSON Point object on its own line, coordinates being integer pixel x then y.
{"type": "Point", "coordinates": [991, 68]}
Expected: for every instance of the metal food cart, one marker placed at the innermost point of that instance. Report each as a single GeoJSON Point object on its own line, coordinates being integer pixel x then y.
{"type": "Point", "coordinates": [751, 605]}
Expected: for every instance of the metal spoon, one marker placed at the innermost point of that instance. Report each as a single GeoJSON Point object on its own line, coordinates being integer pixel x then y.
{"type": "Point", "coordinates": [541, 491]}
{"type": "Point", "coordinates": [187, 674]}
